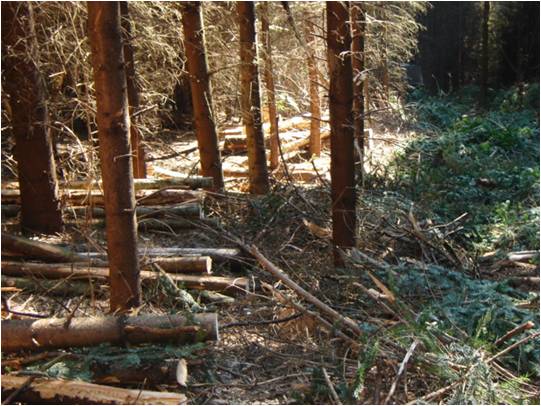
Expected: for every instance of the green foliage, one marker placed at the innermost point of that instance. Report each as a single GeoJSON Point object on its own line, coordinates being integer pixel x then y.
{"type": "Point", "coordinates": [485, 165]}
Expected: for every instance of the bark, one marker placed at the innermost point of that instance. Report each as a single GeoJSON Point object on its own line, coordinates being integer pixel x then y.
{"type": "Point", "coordinates": [198, 264]}
{"type": "Point", "coordinates": [193, 181]}
{"type": "Point", "coordinates": [64, 288]}
{"type": "Point", "coordinates": [60, 391]}
{"type": "Point", "coordinates": [29, 117]}
{"type": "Point", "coordinates": [188, 210]}
{"type": "Point", "coordinates": [205, 127]}
{"type": "Point", "coordinates": [269, 86]}
{"type": "Point", "coordinates": [41, 334]}
{"type": "Point", "coordinates": [139, 165]}
{"type": "Point", "coordinates": [115, 152]}
{"type": "Point", "coordinates": [357, 63]}
{"type": "Point", "coordinates": [250, 100]}
{"type": "Point", "coordinates": [38, 250]}
{"type": "Point", "coordinates": [340, 111]}
{"type": "Point", "coordinates": [298, 145]}
{"type": "Point", "coordinates": [484, 56]}
{"type": "Point", "coordinates": [315, 110]}
{"type": "Point", "coordinates": [85, 272]}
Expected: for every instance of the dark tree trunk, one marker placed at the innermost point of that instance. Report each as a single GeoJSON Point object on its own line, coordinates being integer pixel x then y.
{"type": "Point", "coordinates": [29, 117]}
{"type": "Point", "coordinates": [115, 153]}
{"type": "Point", "coordinates": [313, 74]}
{"type": "Point", "coordinates": [139, 166]}
{"type": "Point", "coordinates": [196, 59]}
{"type": "Point", "coordinates": [269, 85]}
{"type": "Point", "coordinates": [357, 63]}
{"type": "Point", "coordinates": [484, 56]}
{"type": "Point", "coordinates": [340, 110]}
{"type": "Point", "coordinates": [250, 100]}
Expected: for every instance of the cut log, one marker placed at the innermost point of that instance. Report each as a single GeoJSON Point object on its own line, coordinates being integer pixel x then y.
{"type": "Point", "coordinates": [76, 197]}
{"type": "Point", "coordinates": [155, 224]}
{"type": "Point", "coordinates": [54, 391]}
{"type": "Point", "coordinates": [234, 144]}
{"type": "Point", "coordinates": [199, 264]}
{"type": "Point", "coordinates": [55, 287]}
{"type": "Point", "coordinates": [190, 210]}
{"type": "Point", "coordinates": [18, 335]}
{"type": "Point", "coordinates": [35, 249]}
{"type": "Point", "coordinates": [305, 143]}
{"type": "Point", "coordinates": [84, 272]}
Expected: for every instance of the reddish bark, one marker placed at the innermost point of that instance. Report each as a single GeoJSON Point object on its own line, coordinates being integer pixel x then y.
{"type": "Point", "coordinates": [29, 117]}
{"type": "Point", "coordinates": [139, 166]}
{"type": "Point", "coordinates": [205, 128]}
{"type": "Point", "coordinates": [115, 153]}
{"type": "Point", "coordinates": [315, 111]}
{"type": "Point", "coordinates": [340, 110]}
{"type": "Point", "coordinates": [250, 100]}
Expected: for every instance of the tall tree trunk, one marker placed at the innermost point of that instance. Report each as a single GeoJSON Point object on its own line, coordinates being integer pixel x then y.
{"type": "Point", "coordinates": [196, 59]}
{"type": "Point", "coordinates": [340, 110]}
{"type": "Point", "coordinates": [385, 67]}
{"type": "Point", "coordinates": [357, 64]}
{"type": "Point", "coordinates": [139, 165]}
{"type": "Point", "coordinates": [115, 153]}
{"type": "Point", "coordinates": [484, 56]}
{"type": "Point", "coordinates": [269, 85]}
{"type": "Point", "coordinates": [29, 117]}
{"type": "Point", "coordinates": [250, 100]}
{"type": "Point", "coordinates": [313, 74]}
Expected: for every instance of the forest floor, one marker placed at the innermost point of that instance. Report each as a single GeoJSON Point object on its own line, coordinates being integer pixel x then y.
{"type": "Point", "coordinates": [438, 287]}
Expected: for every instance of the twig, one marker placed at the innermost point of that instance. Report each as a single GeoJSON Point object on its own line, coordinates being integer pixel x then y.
{"type": "Point", "coordinates": [512, 347]}
{"type": "Point", "coordinates": [330, 386]}
{"type": "Point", "coordinates": [260, 323]}
{"type": "Point", "coordinates": [401, 370]}
{"type": "Point", "coordinates": [517, 330]}
{"type": "Point", "coordinates": [19, 390]}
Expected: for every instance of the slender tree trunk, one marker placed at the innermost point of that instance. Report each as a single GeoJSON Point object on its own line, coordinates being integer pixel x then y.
{"type": "Point", "coordinates": [315, 110]}
{"type": "Point", "coordinates": [269, 84]}
{"type": "Point", "coordinates": [250, 100]}
{"type": "Point", "coordinates": [385, 67]}
{"type": "Point", "coordinates": [115, 153]}
{"type": "Point", "coordinates": [196, 58]}
{"type": "Point", "coordinates": [139, 165]}
{"type": "Point", "coordinates": [29, 117]}
{"type": "Point", "coordinates": [340, 110]}
{"type": "Point", "coordinates": [484, 56]}
{"type": "Point", "coordinates": [357, 63]}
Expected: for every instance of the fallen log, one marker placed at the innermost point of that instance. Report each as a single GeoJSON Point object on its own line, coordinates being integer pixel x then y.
{"type": "Point", "coordinates": [38, 250]}
{"type": "Point", "coordinates": [55, 391]}
{"type": "Point", "coordinates": [189, 210]}
{"type": "Point", "coordinates": [76, 197]}
{"type": "Point", "coordinates": [234, 144]}
{"type": "Point", "coordinates": [304, 143]}
{"type": "Point", "coordinates": [30, 334]}
{"type": "Point", "coordinates": [84, 272]}
{"type": "Point", "coordinates": [156, 224]}
{"type": "Point", "coordinates": [199, 264]}
{"type": "Point", "coordinates": [54, 287]}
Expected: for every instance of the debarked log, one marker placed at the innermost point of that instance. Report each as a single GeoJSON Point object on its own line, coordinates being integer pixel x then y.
{"type": "Point", "coordinates": [84, 272]}
{"type": "Point", "coordinates": [31, 334]}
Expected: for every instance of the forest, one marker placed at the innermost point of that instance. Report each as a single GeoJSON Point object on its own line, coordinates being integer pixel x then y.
{"type": "Point", "coordinates": [271, 202]}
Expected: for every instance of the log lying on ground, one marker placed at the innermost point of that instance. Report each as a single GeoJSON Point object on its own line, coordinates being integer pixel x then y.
{"type": "Point", "coordinates": [191, 210]}
{"type": "Point", "coordinates": [39, 250]}
{"type": "Point", "coordinates": [76, 197]}
{"type": "Point", "coordinates": [29, 334]}
{"type": "Point", "coordinates": [198, 264]}
{"type": "Point", "coordinates": [84, 272]}
{"type": "Point", "coordinates": [54, 287]}
{"type": "Point", "coordinates": [234, 144]}
{"type": "Point", "coordinates": [196, 182]}
{"type": "Point", "coordinates": [305, 143]}
{"type": "Point", "coordinates": [155, 224]}
{"type": "Point", "coordinates": [54, 391]}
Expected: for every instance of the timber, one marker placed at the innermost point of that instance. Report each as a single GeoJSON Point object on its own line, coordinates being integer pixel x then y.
{"type": "Point", "coordinates": [56, 288]}
{"type": "Point", "coordinates": [187, 210]}
{"type": "Point", "coordinates": [59, 391]}
{"type": "Point", "coordinates": [38, 250]}
{"type": "Point", "coordinates": [85, 272]}
{"type": "Point", "coordinates": [28, 334]}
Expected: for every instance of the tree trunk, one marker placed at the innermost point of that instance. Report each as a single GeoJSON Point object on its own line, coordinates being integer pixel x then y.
{"type": "Point", "coordinates": [31, 334]}
{"type": "Point", "coordinates": [115, 152]}
{"type": "Point", "coordinates": [357, 63]}
{"type": "Point", "coordinates": [196, 59]}
{"type": "Point", "coordinates": [341, 121]}
{"type": "Point", "coordinates": [315, 111]}
{"type": "Point", "coordinates": [139, 166]}
{"type": "Point", "coordinates": [484, 56]}
{"type": "Point", "coordinates": [29, 117]}
{"type": "Point", "coordinates": [250, 100]}
{"type": "Point", "coordinates": [61, 391]}
{"type": "Point", "coordinates": [269, 85]}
